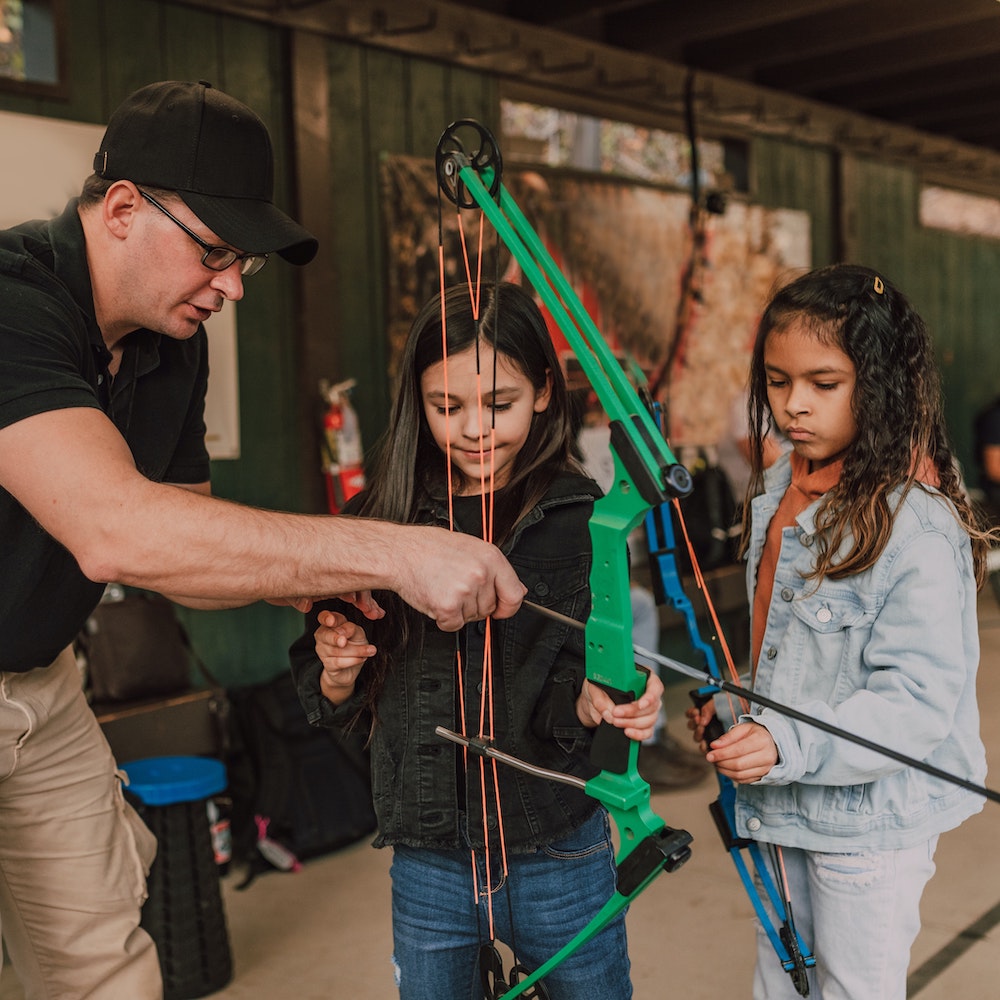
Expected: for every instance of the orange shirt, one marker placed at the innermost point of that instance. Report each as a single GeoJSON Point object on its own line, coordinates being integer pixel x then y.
{"type": "Point", "coordinates": [804, 488]}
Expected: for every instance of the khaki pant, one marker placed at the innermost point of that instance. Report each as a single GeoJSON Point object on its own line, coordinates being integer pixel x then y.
{"type": "Point", "coordinates": [73, 854]}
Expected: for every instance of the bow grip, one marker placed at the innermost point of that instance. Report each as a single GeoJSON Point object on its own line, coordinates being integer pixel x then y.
{"type": "Point", "coordinates": [610, 749]}
{"type": "Point", "coordinates": [715, 729]}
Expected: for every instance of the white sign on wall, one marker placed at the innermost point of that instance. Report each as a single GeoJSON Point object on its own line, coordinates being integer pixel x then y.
{"type": "Point", "coordinates": [43, 165]}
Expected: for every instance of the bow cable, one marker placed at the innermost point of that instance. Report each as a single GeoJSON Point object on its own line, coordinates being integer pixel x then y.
{"type": "Point", "coordinates": [493, 979]}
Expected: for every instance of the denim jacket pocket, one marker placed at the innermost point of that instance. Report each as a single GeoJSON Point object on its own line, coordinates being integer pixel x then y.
{"type": "Point", "coordinates": [825, 612]}
{"type": "Point", "coordinates": [827, 628]}
{"type": "Point", "coordinates": [554, 583]}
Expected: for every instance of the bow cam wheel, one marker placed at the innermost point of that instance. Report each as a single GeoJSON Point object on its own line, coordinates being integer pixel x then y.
{"type": "Point", "coordinates": [467, 143]}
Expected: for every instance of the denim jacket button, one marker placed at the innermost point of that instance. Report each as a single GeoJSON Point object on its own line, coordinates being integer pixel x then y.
{"type": "Point", "coordinates": [753, 824]}
{"type": "Point", "coordinates": [771, 653]}
{"type": "Point", "coordinates": [824, 615]}
{"type": "Point", "coordinates": [807, 540]}
{"type": "Point", "coordinates": [787, 593]}
{"type": "Point", "coordinates": [541, 588]}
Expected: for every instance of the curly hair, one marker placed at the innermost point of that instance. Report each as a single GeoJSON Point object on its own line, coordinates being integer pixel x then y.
{"type": "Point", "coordinates": [896, 405]}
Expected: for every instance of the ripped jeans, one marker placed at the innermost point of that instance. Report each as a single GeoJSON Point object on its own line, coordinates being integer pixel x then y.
{"type": "Point", "coordinates": [860, 914]}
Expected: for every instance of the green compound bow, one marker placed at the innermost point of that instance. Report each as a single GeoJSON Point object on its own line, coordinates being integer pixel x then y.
{"type": "Point", "coordinates": [646, 475]}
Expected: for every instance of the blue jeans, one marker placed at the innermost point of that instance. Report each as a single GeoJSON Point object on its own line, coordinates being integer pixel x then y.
{"type": "Point", "coordinates": [860, 913]}
{"type": "Point", "coordinates": [438, 928]}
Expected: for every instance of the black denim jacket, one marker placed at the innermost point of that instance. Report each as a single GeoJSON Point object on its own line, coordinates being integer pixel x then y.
{"type": "Point", "coordinates": [538, 667]}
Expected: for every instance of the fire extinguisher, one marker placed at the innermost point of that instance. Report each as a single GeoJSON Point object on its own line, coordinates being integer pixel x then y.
{"type": "Point", "coordinates": [343, 470]}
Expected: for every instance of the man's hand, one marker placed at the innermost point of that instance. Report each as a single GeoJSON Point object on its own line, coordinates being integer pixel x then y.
{"type": "Point", "coordinates": [361, 599]}
{"type": "Point", "coordinates": [455, 578]}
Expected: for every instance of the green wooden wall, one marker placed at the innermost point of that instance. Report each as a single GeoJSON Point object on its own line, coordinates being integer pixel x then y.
{"type": "Point", "coordinates": [382, 103]}
{"type": "Point", "coordinates": [790, 175]}
{"type": "Point", "coordinates": [953, 281]}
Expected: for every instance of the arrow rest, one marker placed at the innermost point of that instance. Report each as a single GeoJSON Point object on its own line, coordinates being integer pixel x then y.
{"type": "Point", "coordinates": [451, 156]}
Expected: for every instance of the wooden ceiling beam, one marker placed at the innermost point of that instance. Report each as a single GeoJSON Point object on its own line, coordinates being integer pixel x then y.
{"type": "Point", "coordinates": [830, 33]}
{"type": "Point", "coordinates": [690, 21]}
{"type": "Point", "coordinates": [903, 89]}
{"type": "Point", "coordinates": [817, 76]}
{"type": "Point", "coordinates": [567, 70]}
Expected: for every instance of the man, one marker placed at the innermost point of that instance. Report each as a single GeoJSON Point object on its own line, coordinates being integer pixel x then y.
{"type": "Point", "coordinates": [104, 476]}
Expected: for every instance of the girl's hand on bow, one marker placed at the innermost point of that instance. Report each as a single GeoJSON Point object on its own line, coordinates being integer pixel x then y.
{"type": "Point", "coordinates": [342, 648]}
{"type": "Point", "coordinates": [637, 718]}
{"type": "Point", "coordinates": [744, 753]}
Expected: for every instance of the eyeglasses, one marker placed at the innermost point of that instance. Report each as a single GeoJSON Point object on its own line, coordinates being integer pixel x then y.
{"type": "Point", "coordinates": [216, 258]}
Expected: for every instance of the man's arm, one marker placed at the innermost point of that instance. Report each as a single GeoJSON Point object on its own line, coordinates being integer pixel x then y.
{"type": "Point", "coordinates": [74, 473]}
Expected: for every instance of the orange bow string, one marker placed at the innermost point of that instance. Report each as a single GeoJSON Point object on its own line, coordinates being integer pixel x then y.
{"type": "Point", "coordinates": [486, 719]}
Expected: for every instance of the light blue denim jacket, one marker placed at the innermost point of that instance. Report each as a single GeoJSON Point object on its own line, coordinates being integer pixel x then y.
{"type": "Point", "coordinates": [889, 654]}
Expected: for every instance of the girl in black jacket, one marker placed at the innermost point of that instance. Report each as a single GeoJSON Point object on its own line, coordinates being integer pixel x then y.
{"type": "Point", "coordinates": [481, 432]}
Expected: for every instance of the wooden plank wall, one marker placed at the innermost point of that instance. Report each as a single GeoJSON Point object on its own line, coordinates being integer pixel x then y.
{"type": "Point", "coordinates": [292, 333]}
{"type": "Point", "coordinates": [380, 104]}
{"type": "Point", "coordinates": [791, 175]}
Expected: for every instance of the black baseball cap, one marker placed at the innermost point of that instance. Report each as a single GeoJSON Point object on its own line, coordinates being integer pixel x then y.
{"type": "Point", "coordinates": [215, 153]}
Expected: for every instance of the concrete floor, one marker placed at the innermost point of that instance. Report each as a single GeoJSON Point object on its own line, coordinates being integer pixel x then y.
{"type": "Point", "coordinates": [324, 933]}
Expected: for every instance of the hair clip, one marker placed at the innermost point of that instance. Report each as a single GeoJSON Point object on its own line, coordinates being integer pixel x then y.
{"type": "Point", "coordinates": [879, 287]}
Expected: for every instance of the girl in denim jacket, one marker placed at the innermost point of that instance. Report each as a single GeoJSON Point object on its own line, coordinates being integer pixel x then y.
{"type": "Point", "coordinates": [863, 559]}
{"type": "Point", "coordinates": [487, 418]}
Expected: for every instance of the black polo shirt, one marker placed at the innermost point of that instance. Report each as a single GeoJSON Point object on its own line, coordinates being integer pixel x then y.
{"type": "Point", "coordinates": [52, 357]}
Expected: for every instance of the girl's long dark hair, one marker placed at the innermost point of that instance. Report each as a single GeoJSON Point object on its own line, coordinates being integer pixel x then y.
{"type": "Point", "coordinates": [896, 405]}
{"type": "Point", "coordinates": [408, 474]}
